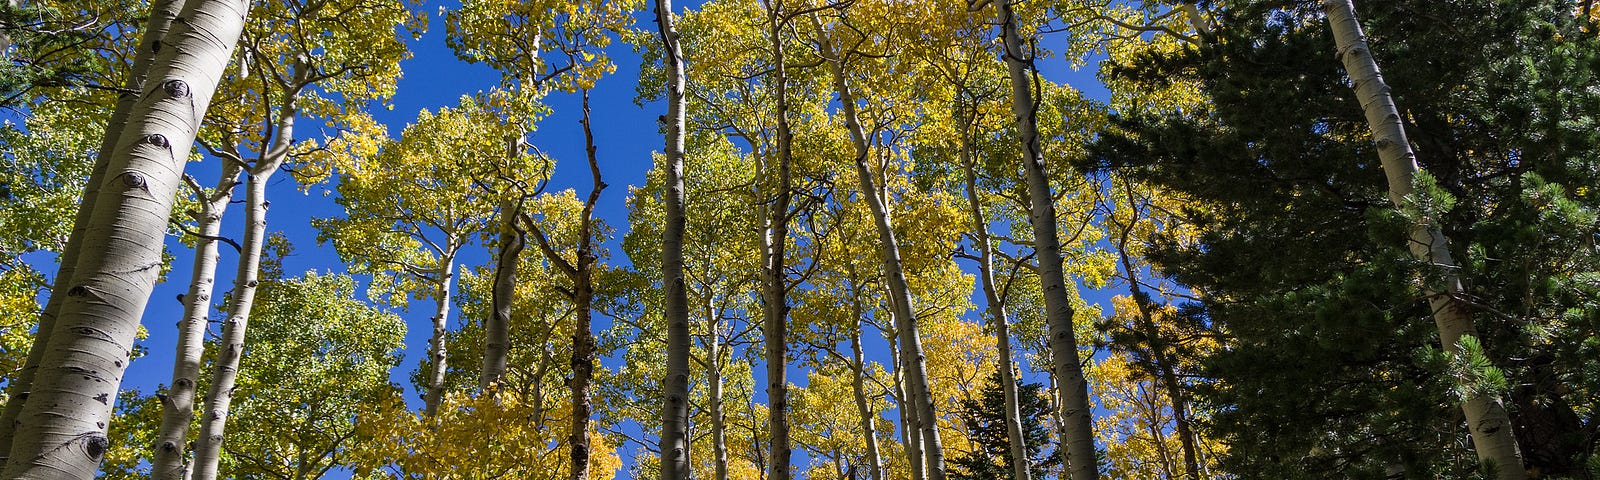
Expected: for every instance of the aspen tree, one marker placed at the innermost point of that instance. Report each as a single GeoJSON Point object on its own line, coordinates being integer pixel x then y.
{"type": "Point", "coordinates": [778, 186]}
{"type": "Point", "coordinates": [997, 308]}
{"type": "Point", "coordinates": [178, 406]}
{"type": "Point", "coordinates": [1071, 387]}
{"type": "Point", "coordinates": [899, 293]}
{"type": "Point", "coordinates": [62, 429]}
{"type": "Point", "coordinates": [674, 444]}
{"type": "Point", "coordinates": [162, 13]}
{"type": "Point", "coordinates": [225, 370]}
{"type": "Point", "coordinates": [1486, 416]}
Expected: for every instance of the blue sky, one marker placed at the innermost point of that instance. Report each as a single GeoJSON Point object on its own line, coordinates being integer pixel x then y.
{"type": "Point", "coordinates": [625, 134]}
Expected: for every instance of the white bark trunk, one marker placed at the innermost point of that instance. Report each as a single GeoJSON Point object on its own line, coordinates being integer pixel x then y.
{"type": "Point", "coordinates": [497, 330]}
{"type": "Point", "coordinates": [899, 292]}
{"type": "Point", "coordinates": [910, 425]}
{"type": "Point", "coordinates": [178, 406]}
{"type": "Point", "coordinates": [225, 372]}
{"type": "Point", "coordinates": [1487, 419]}
{"type": "Point", "coordinates": [997, 314]}
{"type": "Point", "coordinates": [161, 14]}
{"type": "Point", "coordinates": [719, 426]}
{"type": "Point", "coordinates": [441, 324]}
{"type": "Point", "coordinates": [1073, 389]}
{"type": "Point", "coordinates": [674, 445]}
{"type": "Point", "coordinates": [869, 431]}
{"type": "Point", "coordinates": [61, 430]}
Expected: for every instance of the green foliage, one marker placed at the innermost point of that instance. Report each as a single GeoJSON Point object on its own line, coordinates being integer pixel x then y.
{"type": "Point", "coordinates": [1301, 261]}
{"type": "Point", "coordinates": [985, 418]}
{"type": "Point", "coordinates": [50, 46]}
{"type": "Point", "coordinates": [315, 359]}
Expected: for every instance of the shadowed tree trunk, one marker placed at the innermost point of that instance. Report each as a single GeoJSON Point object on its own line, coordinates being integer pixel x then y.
{"type": "Point", "coordinates": [774, 276]}
{"type": "Point", "coordinates": [858, 386]}
{"type": "Point", "coordinates": [1487, 419]}
{"type": "Point", "coordinates": [997, 314]}
{"type": "Point", "coordinates": [497, 331]}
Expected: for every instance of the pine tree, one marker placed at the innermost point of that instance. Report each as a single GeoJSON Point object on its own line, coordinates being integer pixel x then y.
{"type": "Point", "coordinates": [985, 418]}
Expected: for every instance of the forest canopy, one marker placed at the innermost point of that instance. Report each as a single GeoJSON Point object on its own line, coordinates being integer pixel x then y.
{"type": "Point", "coordinates": [775, 239]}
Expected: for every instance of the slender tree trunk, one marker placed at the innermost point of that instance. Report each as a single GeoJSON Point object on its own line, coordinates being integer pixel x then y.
{"type": "Point", "coordinates": [61, 429]}
{"type": "Point", "coordinates": [583, 354]}
{"type": "Point", "coordinates": [1073, 389]}
{"type": "Point", "coordinates": [178, 406]}
{"type": "Point", "coordinates": [225, 370]}
{"type": "Point", "coordinates": [545, 360]}
{"type": "Point", "coordinates": [859, 387]}
{"type": "Point", "coordinates": [719, 425]}
{"type": "Point", "coordinates": [162, 12]}
{"type": "Point", "coordinates": [444, 290]}
{"type": "Point", "coordinates": [997, 315]}
{"type": "Point", "coordinates": [674, 445]}
{"type": "Point", "coordinates": [497, 331]}
{"type": "Point", "coordinates": [775, 306]}
{"type": "Point", "coordinates": [1487, 419]}
{"type": "Point", "coordinates": [1060, 421]}
{"type": "Point", "coordinates": [910, 425]}
{"type": "Point", "coordinates": [1167, 374]}
{"type": "Point", "coordinates": [899, 293]}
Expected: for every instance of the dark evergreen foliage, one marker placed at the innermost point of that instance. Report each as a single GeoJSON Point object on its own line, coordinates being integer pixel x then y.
{"type": "Point", "coordinates": [985, 418]}
{"type": "Point", "coordinates": [1332, 367]}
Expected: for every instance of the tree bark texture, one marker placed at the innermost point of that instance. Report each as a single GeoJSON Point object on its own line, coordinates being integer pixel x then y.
{"type": "Point", "coordinates": [177, 409]}
{"type": "Point", "coordinates": [61, 429]}
{"type": "Point", "coordinates": [1487, 419]}
{"type": "Point", "coordinates": [775, 303]}
{"type": "Point", "coordinates": [443, 294]}
{"type": "Point", "coordinates": [858, 385]}
{"type": "Point", "coordinates": [225, 370]}
{"type": "Point", "coordinates": [1072, 388]}
{"type": "Point", "coordinates": [582, 274]}
{"type": "Point", "coordinates": [162, 12]}
{"type": "Point", "coordinates": [674, 444]}
{"type": "Point", "coordinates": [899, 292]}
{"type": "Point", "coordinates": [719, 424]}
{"type": "Point", "coordinates": [910, 425]}
{"type": "Point", "coordinates": [497, 329]}
{"type": "Point", "coordinates": [997, 314]}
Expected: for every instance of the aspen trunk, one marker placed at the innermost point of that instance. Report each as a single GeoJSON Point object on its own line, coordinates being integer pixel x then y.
{"type": "Point", "coordinates": [1072, 388]}
{"type": "Point", "coordinates": [178, 406]}
{"type": "Point", "coordinates": [910, 426]}
{"type": "Point", "coordinates": [61, 429]}
{"type": "Point", "coordinates": [859, 387]}
{"type": "Point", "coordinates": [497, 330]}
{"type": "Point", "coordinates": [997, 314]}
{"type": "Point", "coordinates": [225, 370]}
{"type": "Point", "coordinates": [775, 307]}
{"type": "Point", "coordinates": [1487, 419]}
{"type": "Point", "coordinates": [899, 293]}
{"type": "Point", "coordinates": [441, 324]}
{"type": "Point", "coordinates": [719, 425]}
{"type": "Point", "coordinates": [674, 442]}
{"type": "Point", "coordinates": [162, 12]}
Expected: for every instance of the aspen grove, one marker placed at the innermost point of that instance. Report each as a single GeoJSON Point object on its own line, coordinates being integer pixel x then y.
{"type": "Point", "coordinates": [820, 239]}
